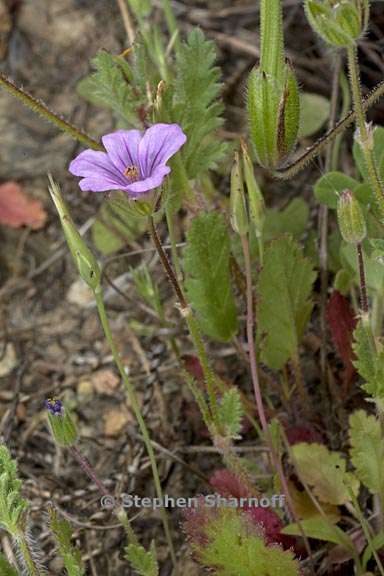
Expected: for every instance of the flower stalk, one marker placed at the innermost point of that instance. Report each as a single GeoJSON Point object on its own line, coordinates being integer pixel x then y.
{"type": "Point", "coordinates": [365, 132]}
{"type": "Point", "coordinates": [40, 108]}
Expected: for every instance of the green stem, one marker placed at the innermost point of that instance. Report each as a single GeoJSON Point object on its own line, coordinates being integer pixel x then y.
{"type": "Point", "coordinates": [137, 412]}
{"type": "Point", "coordinates": [172, 237]}
{"type": "Point", "coordinates": [40, 108]}
{"type": "Point", "coordinates": [193, 327]}
{"type": "Point", "coordinates": [366, 530]}
{"type": "Point", "coordinates": [310, 154]}
{"type": "Point", "coordinates": [271, 38]}
{"type": "Point", "coordinates": [366, 137]}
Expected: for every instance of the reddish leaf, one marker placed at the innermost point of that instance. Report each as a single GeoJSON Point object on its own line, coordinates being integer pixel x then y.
{"type": "Point", "coordinates": [17, 209]}
{"type": "Point", "coordinates": [228, 484]}
{"type": "Point", "coordinates": [302, 433]}
{"type": "Point", "coordinates": [193, 367]}
{"type": "Point", "coordinates": [342, 322]}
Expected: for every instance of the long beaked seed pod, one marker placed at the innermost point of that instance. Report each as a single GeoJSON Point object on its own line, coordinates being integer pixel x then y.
{"type": "Point", "coordinates": [339, 23]}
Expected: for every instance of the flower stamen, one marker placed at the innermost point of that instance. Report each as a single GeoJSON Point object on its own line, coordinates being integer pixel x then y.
{"type": "Point", "coordinates": [132, 173]}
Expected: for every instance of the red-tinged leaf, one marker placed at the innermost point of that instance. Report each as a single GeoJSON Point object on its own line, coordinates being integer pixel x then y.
{"type": "Point", "coordinates": [342, 322]}
{"type": "Point", "coordinates": [228, 484]}
{"type": "Point", "coordinates": [18, 209]}
{"type": "Point", "coordinates": [271, 525]}
{"type": "Point", "coordinates": [302, 433]}
{"type": "Point", "coordinates": [193, 367]}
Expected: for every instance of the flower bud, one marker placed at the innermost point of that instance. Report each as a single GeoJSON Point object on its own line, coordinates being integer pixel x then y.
{"type": "Point", "coordinates": [85, 261]}
{"type": "Point", "coordinates": [239, 213]}
{"type": "Point", "coordinates": [255, 197]}
{"type": "Point", "coordinates": [340, 23]}
{"type": "Point", "coordinates": [61, 424]}
{"type": "Point", "coordinates": [274, 114]}
{"type": "Point", "coordinates": [351, 218]}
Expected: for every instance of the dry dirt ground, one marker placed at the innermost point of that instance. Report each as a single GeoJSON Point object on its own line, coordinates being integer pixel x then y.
{"type": "Point", "coordinates": [50, 339]}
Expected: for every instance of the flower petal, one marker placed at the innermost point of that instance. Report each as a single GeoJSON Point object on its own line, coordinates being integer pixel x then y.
{"type": "Point", "coordinates": [158, 144]}
{"type": "Point", "coordinates": [98, 171]}
{"type": "Point", "coordinates": [153, 181]}
{"type": "Point", "coordinates": [122, 148]}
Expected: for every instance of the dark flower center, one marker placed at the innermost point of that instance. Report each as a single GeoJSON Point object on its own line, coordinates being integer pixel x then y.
{"type": "Point", "coordinates": [132, 173]}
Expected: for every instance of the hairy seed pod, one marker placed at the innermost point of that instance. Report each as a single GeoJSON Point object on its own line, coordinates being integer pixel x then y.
{"type": "Point", "coordinates": [274, 114]}
{"type": "Point", "coordinates": [61, 424]}
{"type": "Point", "coordinates": [350, 218]}
{"type": "Point", "coordinates": [254, 194]}
{"type": "Point", "coordinates": [340, 23]}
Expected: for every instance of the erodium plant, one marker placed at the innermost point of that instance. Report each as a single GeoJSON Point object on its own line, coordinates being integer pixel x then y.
{"type": "Point", "coordinates": [245, 276]}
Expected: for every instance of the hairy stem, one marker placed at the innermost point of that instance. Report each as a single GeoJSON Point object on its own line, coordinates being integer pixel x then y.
{"type": "Point", "coordinates": [87, 467]}
{"type": "Point", "coordinates": [365, 136]}
{"type": "Point", "coordinates": [258, 395]}
{"type": "Point", "coordinates": [137, 412]}
{"type": "Point", "coordinates": [27, 555]}
{"type": "Point", "coordinates": [310, 154]}
{"type": "Point", "coordinates": [193, 327]}
{"type": "Point", "coordinates": [363, 283]}
{"type": "Point", "coordinates": [40, 108]}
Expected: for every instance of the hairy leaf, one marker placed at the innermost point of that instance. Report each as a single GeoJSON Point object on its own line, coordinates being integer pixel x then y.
{"type": "Point", "coordinates": [206, 263]}
{"type": "Point", "coordinates": [143, 561]}
{"type": "Point", "coordinates": [110, 87]}
{"type": "Point", "coordinates": [367, 450]}
{"type": "Point", "coordinates": [330, 185]}
{"type": "Point", "coordinates": [231, 413]}
{"type": "Point", "coordinates": [233, 548]}
{"type": "Point", "coordinates": [293, 219]}
{"type": "Point", "coordinates": [370, 359]}
{"type": "Point", "coordinates": [63, 533]}
{"type": "Point", "coordinates": [314, 110]}
{"type": "Point", "coordinates": [195, 104]}
{"type": "Point", "coordinates": [284, 301]}
{"type": "Point", "coordinates": [325, 472]}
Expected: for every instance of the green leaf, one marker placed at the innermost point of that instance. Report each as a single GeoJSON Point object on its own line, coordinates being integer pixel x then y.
{"type": "Point", "coordinates": [116, 225]}
{"type": "Point", "coordinates": [12, 505]}
{"type": "Point", "coordinates": [142, 560]}
{"type": "Point", "coordinates": [284, 301]}
{"type": "Point", "coordinates": [5, 568]}
{"type": "Point", "coordinates": [293, 219]}
{"type": "Point", "coordinates": [206, 263]}
{"type": "Point", "coordinates": [325, 472]}
{"type": "Point", "coordinates": [230, 413]}
{"type": "Point", "coordinates": [320, 529]}
{"type": "Point", "coordinates": [367, 450]}
{"type": "Point", "coordinates": [374, 270]}
{"type": "Point", "coordinates": [314, 110]}
{"type": "Point", "coordinates": [330, 185]}
{"type": "Point", "coordinates": [369, 359]}
{"type": "Point", "coordinates": [235, 548]}
{"type": "Point", "coordinates": [109, 87]}
{"type": "Point", "coordinates": [196, 106]}
{"type": "Point", "coordinates": [378, 151]}
{"type": "Point", "coordinates": [63, 533]}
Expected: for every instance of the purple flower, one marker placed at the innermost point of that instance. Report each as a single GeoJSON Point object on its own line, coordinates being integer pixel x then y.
{"type": "Point", "coordinates": [54, 406]}
{"type": "Point", "coordinates": [134, 161]}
